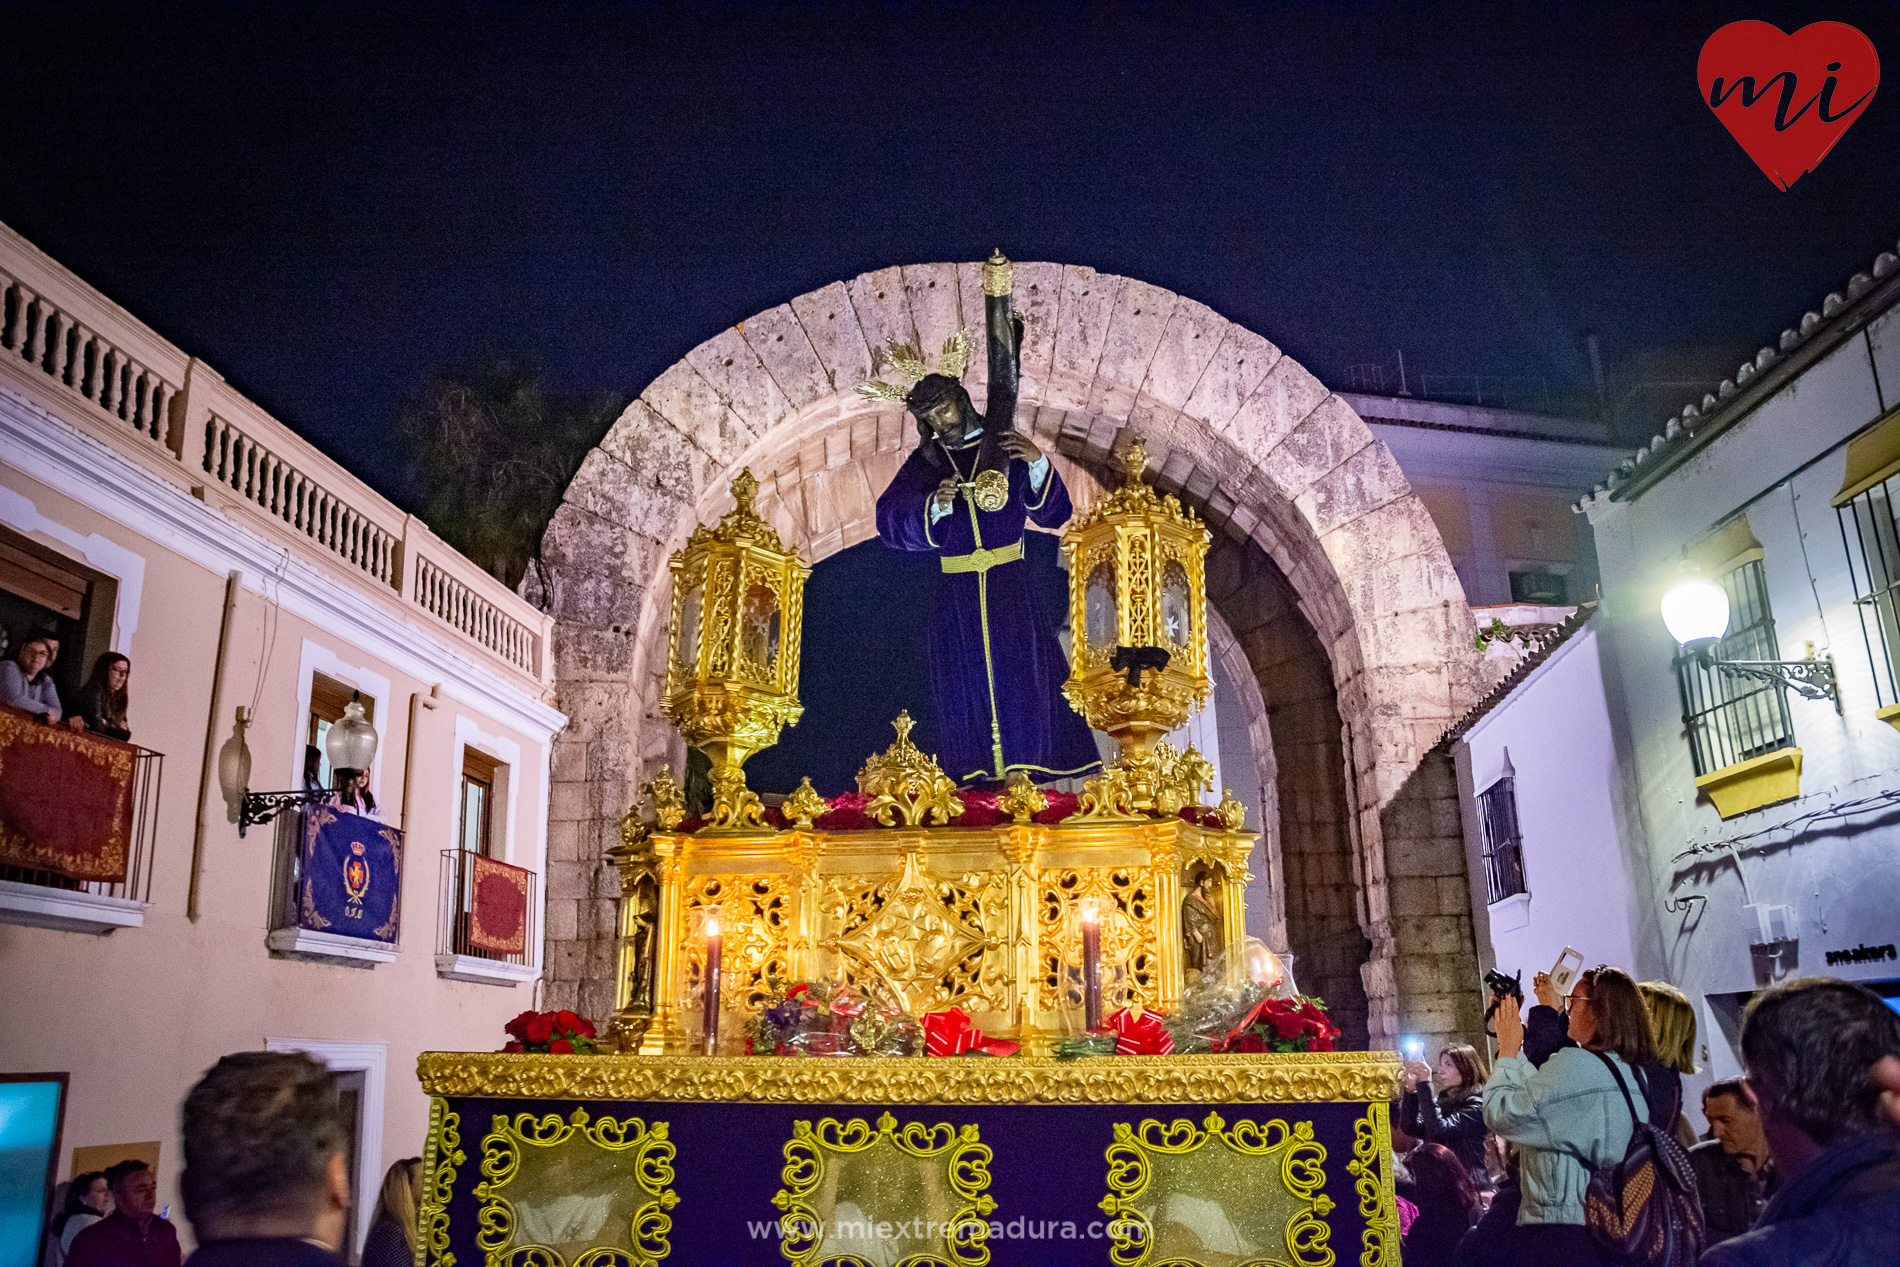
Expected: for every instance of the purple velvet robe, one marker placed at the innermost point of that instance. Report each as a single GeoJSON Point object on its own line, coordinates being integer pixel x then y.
{"type": "Point", "coordinates": [996, 668]}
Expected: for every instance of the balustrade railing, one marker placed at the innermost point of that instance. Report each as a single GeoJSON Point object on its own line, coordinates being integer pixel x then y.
{"type": "Point", "coordinates": [462, 608]}
{"type": "Point", "coordinates": [63, 348]}
{"type": "Point", "coordinates": [279, 489]}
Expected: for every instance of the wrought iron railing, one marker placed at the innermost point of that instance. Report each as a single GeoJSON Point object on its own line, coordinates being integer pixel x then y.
{"type": "Point", "coordinates": [1503, 843]}
{"type": "Point", "coordinates": [148, 774]}
{"type": "Point", "coordinates": [1731, 718]}
{"type": "Point", "coordinates": [1872, 538]}
{"type": "Point", "coordinates": [455, 929]}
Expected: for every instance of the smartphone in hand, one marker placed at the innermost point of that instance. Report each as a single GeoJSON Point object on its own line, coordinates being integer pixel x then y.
{"type": "Point", "coordinates": [1563, 973]}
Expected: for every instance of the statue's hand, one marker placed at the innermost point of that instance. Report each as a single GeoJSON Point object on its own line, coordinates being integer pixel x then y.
{"type": "Point", "coordinates": [1020, 447]}
{"type": "Point", "coordinates": [945, 495]}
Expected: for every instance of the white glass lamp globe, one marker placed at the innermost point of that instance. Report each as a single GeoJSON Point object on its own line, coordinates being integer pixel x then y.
{"type": "Point", "coordinates": [351, 743]}
{"type": "Point", "coordinates": [1695, 609]}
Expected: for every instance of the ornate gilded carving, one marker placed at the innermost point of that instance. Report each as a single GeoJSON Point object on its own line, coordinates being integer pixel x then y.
{"type": "Point", "coordinates": [804, 805]}
{"type": "Point", "coordinates": [1352, 1076]}
{"type": "Point", "coordinates": [1231, 813]}
{"type": "Point", "coordinates": [502, 1236]}
{"type": "Point", "coordinates": [1126, 900]}
{"type": "Point", "coordinates": [999, 275]}
{"type": "Point", "coordinates": [666, 798]}
{"type": "Point", "coordinates": [1153, 778]}
{"type": "Point", "coordinates": [932, 941]}
{"type": "Point", "coordinates": [441, 1154]}
{"type": "Point", "coordinates": [1139, 1162]}
{"type": "Point", "coordinates": [755, 915]}
{"type": "Point", "coordinates": [735, 807]}
{"type": "Point", "coordinates": [906, 787]}
{"type": "Point", "coordinates": [816, 1175]}
{"type": "Point", "coordinates": [1022, 800]}
{"type": "Point", "coordinates": [1371, 1169]}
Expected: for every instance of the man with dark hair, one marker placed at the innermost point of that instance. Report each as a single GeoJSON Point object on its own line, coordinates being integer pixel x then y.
{"type": "Point", "coordinates": [133, 1235]}
{"type": "Point", "coordinates": [1733, 1171]}
{"type": "Point", "coordinates": [1811, 1047]}
{"type": "Point", "coordinates": [266, 1183]}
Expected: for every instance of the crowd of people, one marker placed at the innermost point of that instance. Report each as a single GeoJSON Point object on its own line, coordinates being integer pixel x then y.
{"type": "Point", "coordinates": [26, 683]}
{"type": "Point", "coordinates": [1802, 1165]}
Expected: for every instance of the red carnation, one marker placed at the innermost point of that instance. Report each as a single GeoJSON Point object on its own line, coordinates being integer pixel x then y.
{"type": "Point", "coordinates": [540, 1028]}
{"type": "Point", "coordinates": [561, 1047]}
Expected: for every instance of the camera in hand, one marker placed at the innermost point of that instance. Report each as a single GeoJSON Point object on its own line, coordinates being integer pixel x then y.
{"type": "Point", "coordinates": [1502, 988]}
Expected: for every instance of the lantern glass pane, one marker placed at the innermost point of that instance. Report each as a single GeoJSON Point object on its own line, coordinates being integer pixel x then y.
{"type": "Point", "coordinates": [1098, 607]}
{"type": "Point", "coordinates": [1177, 611]}
{"type": "Point", "coordinates": [759, 633]}
{"type": "Point", "coordinates": [688, 649]}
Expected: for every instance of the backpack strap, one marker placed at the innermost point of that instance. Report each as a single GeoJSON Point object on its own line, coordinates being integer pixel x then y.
{"type": "Point", "coordinates": [1622, 1086]}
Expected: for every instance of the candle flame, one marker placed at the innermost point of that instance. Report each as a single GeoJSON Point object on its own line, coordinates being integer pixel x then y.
{"type": "Point", "coordinates": [1090, 913]}
{"type": "Point", "coordinates": [712, 926]}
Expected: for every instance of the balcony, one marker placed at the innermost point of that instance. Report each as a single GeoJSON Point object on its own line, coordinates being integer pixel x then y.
{"type": "Point", "coordinates": [486, 927]}
{"type": "Point", "coordinates": [44, 898]}
{"type": "Point", "coordinates": [74, 353]}
{"type": "Point", "coordinates": [291, 935]}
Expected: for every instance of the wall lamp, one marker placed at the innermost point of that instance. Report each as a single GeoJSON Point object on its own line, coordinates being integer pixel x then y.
{"type": "Point", "coordinates": [1696, 610]}
{"type": "Point", "coordinates": [350, 745]}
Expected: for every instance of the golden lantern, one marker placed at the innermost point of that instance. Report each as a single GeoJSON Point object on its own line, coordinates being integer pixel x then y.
{"type": "Point", "coordinates": [732, 650]}
{"type": "Point", "coordinates": [1138, 617]}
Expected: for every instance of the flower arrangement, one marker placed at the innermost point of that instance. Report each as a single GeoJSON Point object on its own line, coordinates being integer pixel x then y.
{"type": "Point", "coordinates": [557, 1033]}
{"type": "Point", "coordinates": [820, 1018]}
{"type": "Point", "coordinates": [1296, 1024]}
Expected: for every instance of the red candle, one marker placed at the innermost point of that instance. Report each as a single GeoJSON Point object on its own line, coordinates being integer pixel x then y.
{"type": "Point", "coordinates": [715, 953]}
{"type": "Point", "coordinates": [1091, 966]}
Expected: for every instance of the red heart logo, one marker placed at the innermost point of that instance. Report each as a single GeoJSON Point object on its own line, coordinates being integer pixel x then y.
{"type": "Point", "coordinates": [1787, 98]}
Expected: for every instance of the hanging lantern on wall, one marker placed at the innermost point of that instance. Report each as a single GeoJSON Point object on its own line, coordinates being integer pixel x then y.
{"type": "Point", "coordinates": [1138, 616]}
{"type": "Point", "coordinates": [733, 647]}
{"type": "Point", "coordinates": [351, 743]}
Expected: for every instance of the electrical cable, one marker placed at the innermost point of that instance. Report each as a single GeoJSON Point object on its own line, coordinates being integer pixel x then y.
{"type": "Point", "coordinates": [1843, 810]}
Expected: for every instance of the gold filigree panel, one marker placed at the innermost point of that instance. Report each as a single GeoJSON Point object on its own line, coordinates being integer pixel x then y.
{"type": "Point", "coordinates": [755, 916]}
{"type": "Point", "coordinates": [1371, 1169]}
{"type": "Point", "coordinates": [926, 1188]}
{"type": "Point", "coordinates": [1354, 1077]}
{"type": "Point", "coordinates": [1125, 897]}
{"type": "Point", "coordinates": [441, 1154]}
{"type": "Point", "coordinates": [575, 1192]}
{"type": "Point", "coordinates": [934, 941]}
{"type": "Point", "coordinates": [1212, 1195]}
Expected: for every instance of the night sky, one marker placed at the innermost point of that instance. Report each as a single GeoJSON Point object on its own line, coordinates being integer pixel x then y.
{"type": "Point", "coordinates": [328, 203]}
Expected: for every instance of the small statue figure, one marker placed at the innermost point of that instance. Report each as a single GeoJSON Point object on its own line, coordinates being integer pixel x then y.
{"type": "Point", "coordinates": [643, 917]}
{"type": "Point", "coordinates": [1203, 936]}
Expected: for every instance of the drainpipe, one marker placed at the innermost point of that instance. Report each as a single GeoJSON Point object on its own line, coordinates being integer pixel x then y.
{"type": "Point", "coordinates": [417, 702]}
{"type": "Point", "coordinates": [208, 770]}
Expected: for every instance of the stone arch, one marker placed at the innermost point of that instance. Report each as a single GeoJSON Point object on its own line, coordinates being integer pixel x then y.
{"type": "Point", "coordinates": [1329, 574]}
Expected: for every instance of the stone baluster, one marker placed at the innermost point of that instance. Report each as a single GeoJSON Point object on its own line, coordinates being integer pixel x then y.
{"type": "Point", "coordinates": [115, 364]}
{"type": "Point", "coordinates": [60, 333]}
{"type": "Point", "coordinates": [16, 331]}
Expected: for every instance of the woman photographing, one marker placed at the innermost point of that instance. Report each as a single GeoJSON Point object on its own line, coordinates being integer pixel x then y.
{"type": "Point", "coordinates": [1454, 1116]}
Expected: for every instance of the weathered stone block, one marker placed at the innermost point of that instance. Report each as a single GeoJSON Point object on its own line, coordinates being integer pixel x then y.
{"type": "Point", "coordinates": [738, 375]}
{"type": "Point", "coordinates": [691, 404]}
{"type": "Point", "coordinates": [1082, 320]}
{"type": "Point", "coordinates": [778, 339]}
{"type": "Point", "coordinates": [932, 290]}
{"type": "Point", "coordinates": [1285, 396]}
{"type": "Point", "coordinates": [1134, 332]}
{"type": "Point", "coordinates": [1370, 478]}
{"type": "Point", "coordinates": [830, 322]}
{"type": "Point", "coordinates": [883, 313]}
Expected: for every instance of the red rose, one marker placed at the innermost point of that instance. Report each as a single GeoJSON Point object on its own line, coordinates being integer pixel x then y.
{"type": "Point", "coordinates": [518, 1026]}
{"type": "Point", "coordinates": [1288, 1024]}
{"type": "Point", "coordinates": [586, 1028]}
{"type": "Point", "coordinates": [561, 1047]}
{"type": "Point", "coordinates": [512, 1047]}
{"type": "Point", "coordinates": [540, 1028]}
{"type": "Point", "coordinates": [567, 1020]}
{"type": "Point", "coordinates": [1248, 1041]}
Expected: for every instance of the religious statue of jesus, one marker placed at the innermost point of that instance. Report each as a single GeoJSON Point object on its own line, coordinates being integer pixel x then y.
{"type": "Point", "coordinates": [966, 493]}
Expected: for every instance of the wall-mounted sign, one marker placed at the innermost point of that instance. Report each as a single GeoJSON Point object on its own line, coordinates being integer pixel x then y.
{"type": "Point", "coordinates": [1863, 954]}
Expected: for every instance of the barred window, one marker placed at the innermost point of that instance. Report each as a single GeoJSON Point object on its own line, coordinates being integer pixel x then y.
{"type": "Point", "coordinates": [1873, 559]}
{"type": "Point", "coordinates": [1503, 848]}
{"type": "Point", "coordinates": [1734, 719]}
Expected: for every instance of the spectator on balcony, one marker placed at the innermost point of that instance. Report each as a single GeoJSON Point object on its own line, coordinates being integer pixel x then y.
{"type": "Point", "coordinates": [312, 768]}
{"type": "Point", "coordinates": [353, 794]}
{"type": "Point", "coordinates": [103, 699]}
{"type": "Point", "coordinates": [26, 681]}
{"type": "Point", "coordinates": [266, 1179]}
{"type": "Point", "coordinates": [134, 1234]}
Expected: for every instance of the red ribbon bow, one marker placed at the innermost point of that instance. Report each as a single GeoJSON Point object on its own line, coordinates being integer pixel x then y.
{"type": "Point", "coordinates": [1140, 1033]}
{"type": "Point", "coordinates": [952, 1033]}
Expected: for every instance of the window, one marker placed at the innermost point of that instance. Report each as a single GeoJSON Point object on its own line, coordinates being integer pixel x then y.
{"type": "Point", "coordinates": [1503, 846]}
{"type": "Point", "coordinates": [1546, 589]}
{"type": "Point", "coordinates": [1866, 508]}
{"type": "Point", "coordinates": [42, 589]}
{"type": "Point", "coordinates": [476, 833]}
{"type": "Point", "coordinates": [1735, 719]}
{"type": "Point", "coordinates": [328, 698]}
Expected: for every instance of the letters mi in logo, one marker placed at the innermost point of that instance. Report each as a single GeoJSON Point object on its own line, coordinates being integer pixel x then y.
{"type": "Point", "coordinates": [355, 879]}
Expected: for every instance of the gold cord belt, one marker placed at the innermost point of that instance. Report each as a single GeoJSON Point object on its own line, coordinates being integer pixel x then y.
{"type": "Point", "coordinates": [982, 560]}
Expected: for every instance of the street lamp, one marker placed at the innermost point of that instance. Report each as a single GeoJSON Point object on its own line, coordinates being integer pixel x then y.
{"type": "Point", "coordinates": [350, 745]}
{"type": "Point", "coordinates": [1695, 609]}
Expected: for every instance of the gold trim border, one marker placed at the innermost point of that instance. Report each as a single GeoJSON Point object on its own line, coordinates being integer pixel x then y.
{"type": "Point", "coordinates": [1290, 1078]}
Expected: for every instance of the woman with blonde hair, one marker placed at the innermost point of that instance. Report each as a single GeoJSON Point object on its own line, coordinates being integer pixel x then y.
{"type": "Point", "coordinates": [1672, 1021]}
{"type": "Point", "coordinates": [392, 1231]}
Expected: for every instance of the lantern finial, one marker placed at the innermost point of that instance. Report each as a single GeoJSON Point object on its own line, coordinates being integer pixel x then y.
{"type": "Point", "coordinates": [745, 486]}
{"type": "Point", "coordinates": [1134, 461]}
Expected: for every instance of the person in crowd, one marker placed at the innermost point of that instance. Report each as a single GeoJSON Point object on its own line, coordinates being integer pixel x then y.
{"type": "Point", "coordinates": [27, 684]}
{"type": "Point", "coordinates": [1455, 1116]}
{"type": "Point", "coordinates": [1547, 1030]}
{"type": "Point", "coordinates": [1490, 1241]}
{"type": "Point", "coordinates": [102, 700]}
{"type": "Point", "coordinates": [1887, 1078]}
{"type": "Point", "coordinates": [353, 794]}
{"type": "Point", "coordinates": [1732, 1171]}
{"type": "Point", "coordinates": [1811, 1047]}
{"type": "Point", "coordinates": [1447, 1204]}
{"type": "Point", "coordinates": [133, 1235]}
{"type": "Point", "coordinates": [1403, 1146]}
{"type": "Point", "coordinates": [392, 1230]}
{"type": "Point", "coordinates": [1569, 1115]}
{"type": "Point", "coordinates": [265, 1183]}
{"type": "Point", "coordinates": [88, 1199]}
{"type": "Point", "coordinates": [1672, 1021]}
{"type": "Point", "coordinates": [312, 768]}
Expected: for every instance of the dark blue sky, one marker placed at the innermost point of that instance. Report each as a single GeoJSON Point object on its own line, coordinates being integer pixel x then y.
{"type": "Point", "coordinates": [328, 202]}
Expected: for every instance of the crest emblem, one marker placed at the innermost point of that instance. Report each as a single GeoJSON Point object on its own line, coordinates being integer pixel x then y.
{"type": "Point", "coordinates": [356, 873]}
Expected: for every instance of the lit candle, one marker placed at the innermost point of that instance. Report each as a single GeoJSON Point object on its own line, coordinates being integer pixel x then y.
{"type": "Point", "coordinates": [715, 954]}
{"type": "Point", "coordinates": [1091, 965]}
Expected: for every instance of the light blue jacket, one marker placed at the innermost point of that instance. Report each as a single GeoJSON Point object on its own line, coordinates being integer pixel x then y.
{"type": "Point", "coordinates": [34, 697]}
{"type": "Point", "coordinates": [1558, 1116]}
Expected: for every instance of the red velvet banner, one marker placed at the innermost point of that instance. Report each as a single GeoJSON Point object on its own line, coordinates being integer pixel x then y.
{"type": "Point", "coordinates": [498, 906]}
{"type": "Point", "coordinates": [65, 800]}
